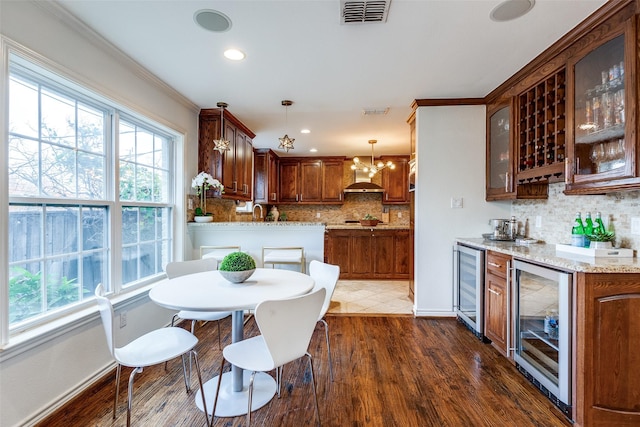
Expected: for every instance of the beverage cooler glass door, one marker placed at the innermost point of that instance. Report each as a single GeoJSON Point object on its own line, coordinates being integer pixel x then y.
{"type": "Point", "coordinates": [469, 283]}
{"type": "Point", "coordinates": [543, 329]}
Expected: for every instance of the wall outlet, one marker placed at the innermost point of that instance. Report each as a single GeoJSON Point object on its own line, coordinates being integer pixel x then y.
{"type": "Point", "coordinates": [456, 202]}
{"type": "Point", "coordinates": [399, 214]}
{"type": "Point", "coordinates": [123, 319]}
{"type": "Point", "coordinates": [190, 203]}
{"type": "Point", "coordinates": [538, 221]}
{"type": "Point", "coordinates": [635, 225]}
{"type": "Point", "coordinates": [317, 214]}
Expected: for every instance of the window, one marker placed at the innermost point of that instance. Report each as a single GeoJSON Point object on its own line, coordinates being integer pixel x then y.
{"type": "Point", "coordinates": [77, 218]}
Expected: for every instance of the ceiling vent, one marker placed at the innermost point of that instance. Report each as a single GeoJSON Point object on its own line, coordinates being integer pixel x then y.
{"type": "Point", "coordinates": [375, 111]}
{"type": "Point", "coordinates": [361, 12]}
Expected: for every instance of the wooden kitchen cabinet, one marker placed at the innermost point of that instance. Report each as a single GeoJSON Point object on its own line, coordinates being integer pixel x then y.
{"type": "Point", "coordinates": [607, 383]}
{"type": "Point", "coordinates": [310, 180]}
{"type": "Point", "coordinates": [497, 304]}
{"type": "Point", "coordinates": [370, 253]}
{"type": "Point", "coordinates": [265, 173]}
{"type": "Point", "coordinates": [500, 152]}
{"type": "Point", "coordinates": [396, 181]}
{"type": "Point", "coordinates": [603, 99]}
{"type": "Point", "coordinates": [233, 168]}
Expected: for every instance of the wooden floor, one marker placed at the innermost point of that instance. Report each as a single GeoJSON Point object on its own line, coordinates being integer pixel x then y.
{"type": "Point", "coordinates": [390, 371]}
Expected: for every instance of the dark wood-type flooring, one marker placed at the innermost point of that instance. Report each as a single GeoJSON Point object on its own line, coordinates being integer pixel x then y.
{"type": "Point", "coordinates": [389, 371]}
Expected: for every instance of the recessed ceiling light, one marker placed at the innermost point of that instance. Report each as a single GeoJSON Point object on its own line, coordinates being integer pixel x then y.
{"type": "Point", "coordinates": [314, 150]}
{"type": "Point", "coordinates": [305, 131]}
{"type": "Point", "coordinates": [234, 54]}
{"type": "Point", "coordinates": [212, 20]}
{"type": "Point", "coordinates": [511, 9]}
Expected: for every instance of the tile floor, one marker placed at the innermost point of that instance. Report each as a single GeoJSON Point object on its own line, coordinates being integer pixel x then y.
{"type": "Point", "coordinates": [371, 297]}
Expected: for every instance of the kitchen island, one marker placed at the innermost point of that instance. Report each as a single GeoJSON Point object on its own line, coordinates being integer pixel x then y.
{"type": "Point", "coordinates": [604, 302]}
{"type": "Point", "coordinates": [252, 236]}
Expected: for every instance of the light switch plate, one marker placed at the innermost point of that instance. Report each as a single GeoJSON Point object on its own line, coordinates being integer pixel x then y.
{"type": "Point", "coordinates": [635, 225]}
{"type": "Point", "coordinates": [538, 221]}
{"type": "Point", "coordinates": [456, 202]}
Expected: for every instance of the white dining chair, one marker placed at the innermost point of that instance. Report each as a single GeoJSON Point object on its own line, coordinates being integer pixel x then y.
{"type": "Point", "coordinates": [217, 252]}
{"type": "Point", "coordinates": [181, 268]}
{"type": "Point", "coordinates": [286, 327]}
{"type": "Point", "coordinates": [326, 276]}
{"type": "Point", "coordinates": [152, 348]}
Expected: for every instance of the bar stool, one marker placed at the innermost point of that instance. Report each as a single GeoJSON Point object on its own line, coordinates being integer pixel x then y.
{"type": "Point", "coordinates": [283, 255]}
{"type": "Point", "coordinates": [217, 252]}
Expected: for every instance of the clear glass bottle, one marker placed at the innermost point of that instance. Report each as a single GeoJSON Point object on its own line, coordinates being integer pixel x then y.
{"type": "Point", "coordinates": [577, 232]}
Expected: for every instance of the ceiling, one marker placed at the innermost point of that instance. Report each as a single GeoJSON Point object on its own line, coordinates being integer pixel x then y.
{"type": "Point", "coordinates": [299, 50]}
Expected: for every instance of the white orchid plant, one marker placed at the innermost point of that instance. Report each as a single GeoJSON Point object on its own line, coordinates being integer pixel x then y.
{"type": "Point", "coordinates": [201, 183]}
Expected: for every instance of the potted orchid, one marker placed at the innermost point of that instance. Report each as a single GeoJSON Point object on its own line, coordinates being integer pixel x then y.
{"type": "Point", "coordinates": [201, 183]}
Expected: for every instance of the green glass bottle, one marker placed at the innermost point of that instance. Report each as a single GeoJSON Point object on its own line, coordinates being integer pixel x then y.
{"type": "Point", "coordinates": [577, 232]}
{"type": "Point", "coordinates": [599, 225]}
{"type": "Point", "coordinates": [588, 229]}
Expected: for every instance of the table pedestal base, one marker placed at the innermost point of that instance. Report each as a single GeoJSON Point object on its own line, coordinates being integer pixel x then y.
{"type": "Point", "coordinates": [233, 403]}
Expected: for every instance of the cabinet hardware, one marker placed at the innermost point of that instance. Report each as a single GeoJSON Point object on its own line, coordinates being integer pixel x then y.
{"type": "Point", "coordinates": [509, 305]}
{"type": "Point", "coordinates": [235, 186]}
{"type": "Point", "coordinates": [495, 292]}
{"type": "Point", "coordinates": [493, 264]}
{"type": "Point", "coordinates": [506, 182]}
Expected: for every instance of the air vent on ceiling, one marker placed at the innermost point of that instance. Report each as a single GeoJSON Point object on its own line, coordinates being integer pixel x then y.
{"type": "Point", "coordinates": [358, 12]}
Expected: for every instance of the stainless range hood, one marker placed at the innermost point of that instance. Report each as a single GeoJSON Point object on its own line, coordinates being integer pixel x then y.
{"type": "Point", "coordinates": [362, 184]}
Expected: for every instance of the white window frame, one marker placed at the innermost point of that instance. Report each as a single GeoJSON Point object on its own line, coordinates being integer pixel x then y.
{"type": "Point", "coordinates": [84, 312]}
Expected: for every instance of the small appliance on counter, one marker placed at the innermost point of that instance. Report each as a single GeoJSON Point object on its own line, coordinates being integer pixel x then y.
{"type": "Point", "coordinates": [502, 230]}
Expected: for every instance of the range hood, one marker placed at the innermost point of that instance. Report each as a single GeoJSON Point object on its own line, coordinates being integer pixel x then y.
{"type": "Point", "coordinates": [362, 184]}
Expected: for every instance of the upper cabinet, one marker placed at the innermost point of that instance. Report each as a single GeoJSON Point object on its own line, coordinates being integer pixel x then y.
{"type": "Point", "coordinates": [310, 180]}
{"type": "Point", "coordinates": [396, 181]}
{"type": "Point", "coordinates": [233, 168]}
{"type": "Point", "coordinates": [500, 177]}
{"type": "Point", "coordinates": [573, 115]}
{"type": "Point", "coordinates": [603, 155]}
{"type": "Point", "coordinates": [265, 176]}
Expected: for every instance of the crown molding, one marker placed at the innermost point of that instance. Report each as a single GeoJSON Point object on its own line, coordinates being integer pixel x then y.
{"type": "Point", "coordinates": [68, 19]}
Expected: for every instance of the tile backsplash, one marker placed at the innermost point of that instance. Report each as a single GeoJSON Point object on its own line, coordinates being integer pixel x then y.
{"type": "Point", "coordinates": [558, 212]}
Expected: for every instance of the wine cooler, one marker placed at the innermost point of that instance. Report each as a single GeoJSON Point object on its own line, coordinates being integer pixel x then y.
{"type": "Point", "coordinates": [542, 302]}
{"type": "Point", "coordinates": [469, 287]}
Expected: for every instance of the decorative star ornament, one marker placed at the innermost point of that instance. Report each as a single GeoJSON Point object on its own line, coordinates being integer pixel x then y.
{"type": "Point", "coordinates": [221, 145]}
{"type": "Point", "coordinates": [286, 143]}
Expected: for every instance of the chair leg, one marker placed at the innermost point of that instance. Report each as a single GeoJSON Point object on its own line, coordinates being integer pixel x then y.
{"type": "Point", "coordinates": [184, 373]}
{"type": "Point", "coordinates": [130, 394]}
{"type": "Point", "coordinates": [313, 384]}
{"type": "Point", "coordinates": [326, 334]}
{"type": "Point", "coordinates": [204, 401]}
{"type": "Point", "coordinates": [253, 376]}
{"type": "Point", "coordinates": [173, 320]}
{"type": "Point", "coordinates": [115, 400]}
{"type": "Point", "coordinates": [219, 345]}
{"type": "Point", "coordinates": [215, 401]}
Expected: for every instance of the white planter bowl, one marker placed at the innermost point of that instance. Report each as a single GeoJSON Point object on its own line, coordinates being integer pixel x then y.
{"type": "Point", "coordinates": [600, 245]}
{"type": "Point", "coordinates": [237, 276]}
{"type": "Point", "coordinates": [207, 218]}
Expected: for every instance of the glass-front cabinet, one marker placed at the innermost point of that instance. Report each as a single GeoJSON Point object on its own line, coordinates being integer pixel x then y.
{"type": "Point", "coordinates": [603, 152]}
{"type": "Point", "coordinates": [500, 179]}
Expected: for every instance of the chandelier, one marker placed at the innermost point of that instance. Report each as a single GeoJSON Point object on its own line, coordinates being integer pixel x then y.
{"type": "Point", "coordinates": [372, 168]}
{"type": "Point", "coordinates": [286, 143]}
{"type": "Point", "coordinates": [221, 144]}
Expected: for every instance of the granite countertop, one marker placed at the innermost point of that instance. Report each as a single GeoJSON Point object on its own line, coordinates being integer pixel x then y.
{"type": "Point", "coordinates": [357, 226]}
{"type": "Point", "coordinates": [546, 254]}
{"type": "Point", "coordinates": [257, 224]}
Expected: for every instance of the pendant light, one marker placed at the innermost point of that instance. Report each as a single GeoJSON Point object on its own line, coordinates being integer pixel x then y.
{"type": "Point", "coordinates": [372, 168]}
{"type": "Point", "coordinates": [221, 144]}
{"type": "Point", "coordinates": [286, 143]}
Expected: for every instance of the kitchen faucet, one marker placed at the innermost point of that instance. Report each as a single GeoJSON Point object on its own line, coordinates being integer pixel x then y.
{"type": "Point", "coordinates": [253, 211]}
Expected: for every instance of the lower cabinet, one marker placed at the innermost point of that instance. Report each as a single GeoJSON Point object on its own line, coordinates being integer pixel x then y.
{"type": "Point", "coordinates": [370, 253]}
{"type": "Point", "coordinates": [496, 303]}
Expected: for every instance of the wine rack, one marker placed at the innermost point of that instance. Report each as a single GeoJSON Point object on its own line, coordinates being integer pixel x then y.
{"type": "Point", "coordinates": [541, 130]}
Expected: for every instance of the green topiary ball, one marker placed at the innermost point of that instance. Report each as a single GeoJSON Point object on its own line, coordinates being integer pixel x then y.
{"type": "Point", "coordinates": [237, 261]}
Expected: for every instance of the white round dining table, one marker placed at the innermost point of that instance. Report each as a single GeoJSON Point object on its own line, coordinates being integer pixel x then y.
{"type": "Point", "coordinates": [209, 291]}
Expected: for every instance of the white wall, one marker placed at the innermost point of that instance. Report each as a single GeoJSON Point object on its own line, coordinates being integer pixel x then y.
{"type": "Point", "coordinates": [450, 148]}
{"type": "Point", "coordinates": [35, 380]}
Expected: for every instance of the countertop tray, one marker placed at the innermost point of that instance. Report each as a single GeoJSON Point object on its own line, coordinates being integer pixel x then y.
{"type": "Point", "coordinates": [595, 253]}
